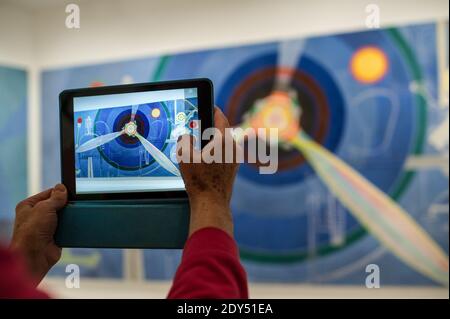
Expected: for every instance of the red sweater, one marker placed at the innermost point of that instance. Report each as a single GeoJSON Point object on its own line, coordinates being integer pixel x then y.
{"type": "Point", "coordinates": [15, 282]}
{"type": "Point", "coordinates": [210, 268]}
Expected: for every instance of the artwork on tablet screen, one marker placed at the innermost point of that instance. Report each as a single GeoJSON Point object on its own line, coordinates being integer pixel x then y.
{"type": "Point", "coordinates": [127, 142]}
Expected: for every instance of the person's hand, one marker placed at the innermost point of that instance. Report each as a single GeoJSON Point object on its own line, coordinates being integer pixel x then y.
{"type": "Point", "coordinates": [209, 186]}
{"type": "Point", "coordinates": [34, 227]}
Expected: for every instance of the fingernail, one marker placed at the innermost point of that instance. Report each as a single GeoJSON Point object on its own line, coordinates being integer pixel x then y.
{"type": "Point", "coordinates": [59, 188]}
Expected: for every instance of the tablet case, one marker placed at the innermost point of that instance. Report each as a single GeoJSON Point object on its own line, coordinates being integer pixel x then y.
{"type": "Point", "coordinates": [145, 224]}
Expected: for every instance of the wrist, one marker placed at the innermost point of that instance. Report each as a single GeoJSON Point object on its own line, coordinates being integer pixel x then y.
{"type": "Point", "coordinates": [210, 211]}
{"type": "Point", "coordinates": [209, 199]}
{"type": "Point", "coordinates": [31, 256]}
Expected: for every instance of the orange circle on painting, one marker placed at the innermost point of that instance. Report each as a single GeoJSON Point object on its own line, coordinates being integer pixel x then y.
{"type": "Point", "coordinates": [369, 64]}
{"type": "Point", "coordinates": [277, 111]}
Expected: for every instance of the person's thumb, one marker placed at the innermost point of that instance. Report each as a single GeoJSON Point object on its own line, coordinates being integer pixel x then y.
{"type": "Point", "coordinates": [58, 197]}
{"type": "Point", "coordinates": [220, 120]}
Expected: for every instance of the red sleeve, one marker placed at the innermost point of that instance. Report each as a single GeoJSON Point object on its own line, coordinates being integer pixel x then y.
{"type": "Point", "coordinates": [210, 268]}
{"type": "Point", "coordinates": [14, 280]}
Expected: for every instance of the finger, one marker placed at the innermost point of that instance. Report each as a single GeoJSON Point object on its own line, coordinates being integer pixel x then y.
{"type": "Point", "coordinates": [33, 200]}
{"type": "Point", "coordinates": [185, 148]}
{"type": "Point", "coordinates": [233, 151]}
{"type": "Point", "coordinates": [220, 120]}
{"type": "Point", "coordinates": [56, 201]}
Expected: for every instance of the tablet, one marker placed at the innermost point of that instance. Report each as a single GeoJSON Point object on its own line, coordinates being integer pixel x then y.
{"type": "Point", "coordinates": [119, 142]}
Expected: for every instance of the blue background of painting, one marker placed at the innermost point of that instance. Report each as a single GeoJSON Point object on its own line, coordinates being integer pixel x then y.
{"type": "Point", "coordinates": [13, 144]}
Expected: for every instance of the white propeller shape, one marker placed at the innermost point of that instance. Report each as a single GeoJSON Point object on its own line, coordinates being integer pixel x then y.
{"type": "Point", "coordinates": [289, 53]}
{"type": "Point", "coordinates": [134, 109]}
{"type": "Point", "coordinates": [159, 156]}
{"type": "Point", "coordinates": [98, 141]}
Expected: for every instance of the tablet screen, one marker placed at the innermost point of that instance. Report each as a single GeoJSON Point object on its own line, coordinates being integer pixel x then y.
{"type": "Point", "coordinates": [127, 142]}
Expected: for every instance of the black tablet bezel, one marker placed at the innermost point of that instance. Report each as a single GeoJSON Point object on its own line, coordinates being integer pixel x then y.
{"type": "Point", "coordinates": [205, 109]}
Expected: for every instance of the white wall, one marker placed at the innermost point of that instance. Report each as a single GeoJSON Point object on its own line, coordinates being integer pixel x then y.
{"type": "Point", "coordinates": [114, 29]}
{"type": "Point", "coordinates": [158, 289]}
{"type": "Point", "coordinates": [16, 36]}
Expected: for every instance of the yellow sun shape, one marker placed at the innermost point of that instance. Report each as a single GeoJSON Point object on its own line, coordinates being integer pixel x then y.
{"type": "Point", "coordinates": [156, 113]}
{"type": "Point", "coordinates": [369, 64]}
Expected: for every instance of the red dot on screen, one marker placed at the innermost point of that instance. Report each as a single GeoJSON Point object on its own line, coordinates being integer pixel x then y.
{"type": "Point", "coordinates": [95, 84]}
{"type": "Point", "coordinates": [79, 120]}
{"type": "Point", "coordinates": [193, 124]}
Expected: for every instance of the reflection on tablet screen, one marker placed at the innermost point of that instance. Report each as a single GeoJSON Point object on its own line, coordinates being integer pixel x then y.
{"type": "Point", "coordinates": [127, 142]}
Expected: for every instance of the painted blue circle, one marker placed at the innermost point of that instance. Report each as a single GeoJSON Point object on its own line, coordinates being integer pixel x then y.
{"type": "Point", "coordinates": [361, 134]}
{"type": "Point", "coordinates": [334, 105]}
{"type": "Point", "coordinates": [117, 152]}
{"type": "Point", "coordinates": [142, 124]}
